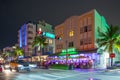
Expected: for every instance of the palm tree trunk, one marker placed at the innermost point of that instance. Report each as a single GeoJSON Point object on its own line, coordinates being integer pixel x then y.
{"type": "Point", "coordinates": [40, 56]}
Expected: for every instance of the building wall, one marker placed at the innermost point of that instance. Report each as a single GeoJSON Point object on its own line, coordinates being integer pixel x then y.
{"type": "Point", "coordinates": [83, 32]}
{"type": "Point", "coordinates": [86, 31]}
{"type": "Point", "coordinates": [70, 32]}
{"type": "Point", "coordinates": [26, 36]}
{"type": "Point", "coordinates": [82, 28]}
{"type": "Point", "coordinates": [59, 44]}
{"type": "Point", "coordinates": [100, 24]}
{"type": "Point", "coordinates": [47, 28]}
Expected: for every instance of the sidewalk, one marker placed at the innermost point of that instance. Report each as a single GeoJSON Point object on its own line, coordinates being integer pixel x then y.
{"type": "Point", "coordinates": [90, 70]}
{"type": "Point", "coordinates": [107, 70]}
{"type": "Point", "coordinates": [83, 70]}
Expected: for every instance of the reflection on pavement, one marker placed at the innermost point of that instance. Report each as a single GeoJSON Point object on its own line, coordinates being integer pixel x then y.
{"type": "Point", "coordinates": [93, 79]}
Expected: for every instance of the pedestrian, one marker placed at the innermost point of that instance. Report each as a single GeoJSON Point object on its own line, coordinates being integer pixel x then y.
{"type": "Point", "coordinates": [38, 64]}
{"type": "Point", "coordinates": [46, 65]}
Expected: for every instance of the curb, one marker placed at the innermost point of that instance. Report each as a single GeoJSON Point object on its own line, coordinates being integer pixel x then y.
{"type": "Point", "coordinates": [112, 70]}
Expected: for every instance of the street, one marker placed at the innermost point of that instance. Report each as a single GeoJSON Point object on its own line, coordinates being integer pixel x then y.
{"type": "Point", "coordinates": [51, 74]}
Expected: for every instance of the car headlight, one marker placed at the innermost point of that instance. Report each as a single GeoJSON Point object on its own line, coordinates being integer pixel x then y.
{"type": "Point", "coordinates": [7, 66]}
{"type": "Point", "coordinates": [20, 65]}
{"type": "Point", "coordinates": [32, 65]}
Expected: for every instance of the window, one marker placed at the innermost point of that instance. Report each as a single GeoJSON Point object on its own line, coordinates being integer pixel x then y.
{"type": "Point", "coordinates": [62, 36]}
{"type": "Point", "coordinates": [50, 41]}
{"type": "Point", "coordinates": [29, 43]}
{"type": "Point", "coordinates": [81, 42]}
{"type": "Point", "coordinates": [85, 28]}
{"type": "Point", "coordinates": [85, 21]}
{"type": "Point", "coordinates": [30, 37]}
{"type": "Point", "coordinates": [51, 49]}
{"type": "Point", "coordinates": [46, 49]}
{"type": "Point", "coordinates": [85, 41]}
{"type": "Point", "coordinates": [89, 28]}
{"type": "Point", "coordinates": [71, 44]}
{"type": "Point", "coordinates": [81, 30]}
{"type": "Point", "coordinates": [30, 32]}
{"type": "Point", "coordinates": [71, 33]}
{"type": "Point", "coordinates": [59, 46]}
{"type": "Point", "coordinates": [89, 40]}
{"type": "Point", "coordinates": [30, 26]}
{"type": "Point", "coordinates": [89, 20]}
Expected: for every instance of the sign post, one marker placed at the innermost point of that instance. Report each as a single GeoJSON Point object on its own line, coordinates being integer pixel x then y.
{"type": "Point", "coordinates": [112, 55]}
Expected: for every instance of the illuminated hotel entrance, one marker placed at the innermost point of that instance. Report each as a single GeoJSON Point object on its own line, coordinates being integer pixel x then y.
{"type": "Point", "coordinates": [78, 59]}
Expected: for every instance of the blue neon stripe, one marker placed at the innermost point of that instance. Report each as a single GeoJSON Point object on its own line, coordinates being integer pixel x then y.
{"type": "Point", "coordinates": [25, 34]}
{"type": "Point", "coordinates": [20, 37]}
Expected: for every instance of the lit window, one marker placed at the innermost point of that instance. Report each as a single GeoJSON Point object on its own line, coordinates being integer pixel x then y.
{"type": "Point", "coordinates": [50, 41]}
{"type": "Point", "coordinates": [62, 36]}
{"type": "Point", "coordinates": [71, 33]}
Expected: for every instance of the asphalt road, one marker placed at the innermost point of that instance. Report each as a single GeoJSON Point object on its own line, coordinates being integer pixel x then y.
{"type": "Point", "coordinates": [44, 74]}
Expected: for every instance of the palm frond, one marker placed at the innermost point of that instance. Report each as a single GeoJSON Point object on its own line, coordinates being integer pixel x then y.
{"type": "Point", "coordinates": [117, 44]}
{"type": "Point", "coordinates": [109, 38]}
{"type": "Point", "coordinates": [39, 41]}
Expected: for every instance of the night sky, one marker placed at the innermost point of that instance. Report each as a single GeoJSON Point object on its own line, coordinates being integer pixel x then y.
{"type": "Point", "coordinates": [13, 14]}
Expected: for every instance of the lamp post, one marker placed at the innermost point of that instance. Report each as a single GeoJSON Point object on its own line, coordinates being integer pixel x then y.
{"type": "Point", "coordinates": [66, 52]}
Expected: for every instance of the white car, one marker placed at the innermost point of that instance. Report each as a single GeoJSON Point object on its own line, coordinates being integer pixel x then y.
{"type": "Point", "coordinates": [117, 63]}
{"type": "Point", "coordinates": [19, 65]}
{"type": "Point", "coordinates": [6, 66]}
{"type": "Point", "coordinates": [33, 65]}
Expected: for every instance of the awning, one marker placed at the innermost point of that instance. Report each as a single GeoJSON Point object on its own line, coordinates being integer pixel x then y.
{"type": "Point", "coordinates": [70, 53]}
{"type": "Point", "coordinates": [87, 51]}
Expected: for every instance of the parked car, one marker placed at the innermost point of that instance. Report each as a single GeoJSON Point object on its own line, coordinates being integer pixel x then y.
{"type": "Point", "coordinates": [33, 65]}
{"type": "Point", "coordinates": [19, 65]}
{"type": "Point", "coordinates": [6, 65]}
{"type": "Point", "coordinates": [117, 64]}
{"type": "Point", "coordinates": [1, 68]}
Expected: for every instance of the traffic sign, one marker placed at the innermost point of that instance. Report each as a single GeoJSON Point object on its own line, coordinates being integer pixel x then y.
{"type": "Point", "coordinates": [112, 55]}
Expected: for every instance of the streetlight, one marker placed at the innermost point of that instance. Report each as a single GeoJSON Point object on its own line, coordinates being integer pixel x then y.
{"type": "Point", "coordinates": [66, 52]}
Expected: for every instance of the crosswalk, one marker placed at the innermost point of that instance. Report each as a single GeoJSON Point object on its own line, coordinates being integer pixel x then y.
{"type": "Point", "coordinates": [38, 76]}
{"type": "Point", "coordinates": [42, 75]}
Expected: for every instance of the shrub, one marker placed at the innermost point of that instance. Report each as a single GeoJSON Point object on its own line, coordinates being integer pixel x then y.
{"type": "Point", "coordinates": [59, 66]}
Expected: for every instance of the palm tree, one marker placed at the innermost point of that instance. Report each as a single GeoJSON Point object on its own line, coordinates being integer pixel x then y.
{"type": "Point", "coordinates": [40, 41]}
{"type": "Point", "coordinates": [109, 39]}
{"type": "Point", "coordinates": [4, 55]}
{"type": "Point", "coordinates": [117, 44]}
{"type": "Point", "coordinates": [17, 52]}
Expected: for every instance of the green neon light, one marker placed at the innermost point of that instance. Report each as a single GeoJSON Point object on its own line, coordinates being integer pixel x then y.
{"type": "Point", "coordinates": [69, 50]}
{"type": "Point", "coordinates": [43, 33]}
{"type": "Point", "coordinates": [99, 24]}
{"type": "Point", "coordinates": [64, 51]}
{"type": "Point", "coordinates": [62, 54]}
{"type": "Point", "coordinates": [49, 35]}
